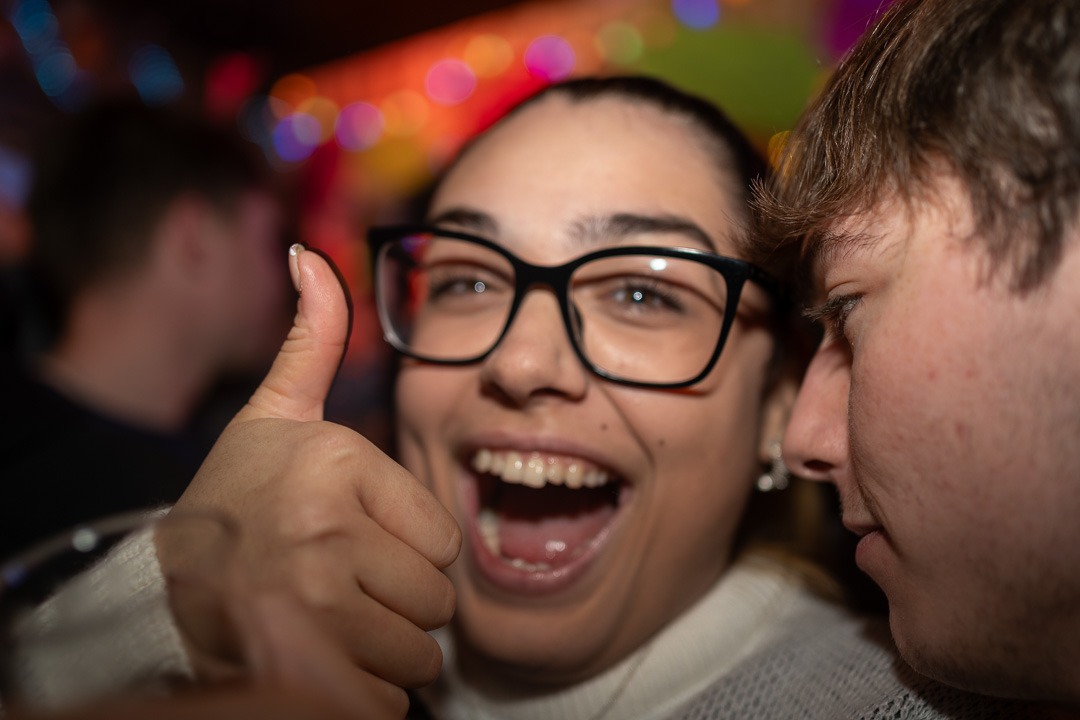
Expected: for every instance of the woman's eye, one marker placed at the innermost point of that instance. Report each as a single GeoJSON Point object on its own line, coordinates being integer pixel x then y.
{"type": "Point", "coordinates": [459, 282]}
{"type": "Point", "coordinates": [643, 295]}
{"type": "Point", "coordinates": [455, 286]}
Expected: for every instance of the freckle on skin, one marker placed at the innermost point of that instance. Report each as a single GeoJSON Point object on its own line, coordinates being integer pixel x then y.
{"type": "Point", "coordinates": [662, 442]}
{"type": "Point", "coordinates": [962, 430]}
{"type": "Point", "coordinates": [603, 427]}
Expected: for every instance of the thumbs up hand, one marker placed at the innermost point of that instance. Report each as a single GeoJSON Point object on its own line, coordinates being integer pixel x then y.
{"type": "Point", "coordinates": [322, 513]}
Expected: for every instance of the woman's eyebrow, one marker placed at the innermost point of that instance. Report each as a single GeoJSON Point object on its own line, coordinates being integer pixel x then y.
{"type": "Point", "coordinates": [603, 229]}
{"type": "Point", "coordinates": [468, 219]}
{"type": "Point", "coordinates": [592, 231]}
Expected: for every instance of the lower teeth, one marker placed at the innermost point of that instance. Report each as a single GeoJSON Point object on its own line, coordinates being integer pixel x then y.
{"type": "Point", "coordinates": [528, 566]}
{"type": "Point", "coordinates": [488, 525]}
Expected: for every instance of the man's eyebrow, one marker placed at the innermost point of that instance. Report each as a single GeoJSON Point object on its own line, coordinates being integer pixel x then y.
{"type": "Point", "coordinates": [827, 248]}
{"type": "Point", "coordinates": [468, 219]}
{"type": "Point", "coordinates": [603, 229]}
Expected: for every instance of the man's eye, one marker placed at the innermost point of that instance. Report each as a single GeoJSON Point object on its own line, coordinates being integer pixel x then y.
{"type": "Point", "coordinates": [833, 313]}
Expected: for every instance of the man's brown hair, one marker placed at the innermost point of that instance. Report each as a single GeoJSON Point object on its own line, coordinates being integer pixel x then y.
{"type": "Point", "coordinates": [987, 89]}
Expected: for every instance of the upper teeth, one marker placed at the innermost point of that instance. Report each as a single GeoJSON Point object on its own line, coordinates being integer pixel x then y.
{"type": "Point", "coordinates": [536, 470]}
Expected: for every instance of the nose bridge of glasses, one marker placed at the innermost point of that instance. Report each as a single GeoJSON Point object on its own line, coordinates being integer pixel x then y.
{"type": "Point", "coordinates": [529, 277]}
{"type": "Point", "coordinates": [552, 282]}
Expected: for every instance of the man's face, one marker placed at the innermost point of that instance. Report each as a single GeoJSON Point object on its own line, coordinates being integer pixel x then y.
{"type": "Point", "coordinates": [945, 407]}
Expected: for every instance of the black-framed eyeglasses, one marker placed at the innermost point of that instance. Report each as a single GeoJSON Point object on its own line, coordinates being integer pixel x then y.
{"type": "Point", "coordinates": [637, 315]}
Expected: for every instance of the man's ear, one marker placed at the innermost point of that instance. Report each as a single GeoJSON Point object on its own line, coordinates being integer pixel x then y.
{"type": "Point", "coordinates": [181, 236]}
{"type": "Point", "coordinates": [776, 410]}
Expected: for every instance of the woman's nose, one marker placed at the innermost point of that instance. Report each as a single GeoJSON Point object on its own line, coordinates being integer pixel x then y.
{"type": "Point", "coordinates": [535, 355]}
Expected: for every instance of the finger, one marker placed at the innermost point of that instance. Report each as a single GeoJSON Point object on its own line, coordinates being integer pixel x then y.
{"type": "Point", "coordinates": [399, 578]}
{"type": "Point", "coordinates": [325, 542]}
{"type": "Point", "coordinates": [385, 491]}
{"type": "Point", "coordinates": [377, 638]}
{"type": "Point", "coordinates": [288, 649]}
{"type": "Point", "coordinates": [301, 376]}
{"type": "Point", "coordinates": [384, 643]}
{"type": "Point", "coordinates": [407, 509]}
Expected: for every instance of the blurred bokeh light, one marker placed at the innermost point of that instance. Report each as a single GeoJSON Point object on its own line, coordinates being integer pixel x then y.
{"type": "Point", "coordinates": [359, 136]}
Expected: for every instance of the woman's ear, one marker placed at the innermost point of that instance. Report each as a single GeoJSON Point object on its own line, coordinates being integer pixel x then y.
{"type": "Point", "coordinates": [776, 409]}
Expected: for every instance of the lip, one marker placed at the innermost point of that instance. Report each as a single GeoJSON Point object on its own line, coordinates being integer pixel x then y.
{"type": "Point", "coordinates": [495, 572]}
{"type": "Point", "coordinates": [860, 527]}
{"type": "Point", "coordinates": [868, 552]}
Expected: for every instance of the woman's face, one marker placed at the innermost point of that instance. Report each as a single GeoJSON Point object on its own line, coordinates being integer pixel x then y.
{"type": "Point", "coordinates": [572, 579]}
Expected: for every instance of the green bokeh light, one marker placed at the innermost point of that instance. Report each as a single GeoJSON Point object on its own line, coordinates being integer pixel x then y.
{"type": "Point", "coordinates": [762, 77]}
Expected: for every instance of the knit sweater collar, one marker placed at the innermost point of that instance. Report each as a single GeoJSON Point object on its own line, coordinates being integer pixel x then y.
{"type": "Point", "coordinates": [737, 616]}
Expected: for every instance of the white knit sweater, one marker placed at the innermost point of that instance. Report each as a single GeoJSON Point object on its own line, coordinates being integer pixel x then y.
{"type": "Point", "coordinates": [758, 646]}
{"type": "Point", "coordinates": [741, 614]}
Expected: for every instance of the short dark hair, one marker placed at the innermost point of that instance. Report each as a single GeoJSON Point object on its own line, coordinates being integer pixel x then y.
{"type": "Point", "coordinates": [990, 88]}
{"type": "Point", "coordinates": [107, 179]}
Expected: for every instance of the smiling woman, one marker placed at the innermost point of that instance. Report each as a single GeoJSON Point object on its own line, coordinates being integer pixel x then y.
{"type": "Point", "coordinates": [557, 585]}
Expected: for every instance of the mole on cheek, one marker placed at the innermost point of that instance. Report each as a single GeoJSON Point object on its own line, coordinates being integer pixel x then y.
{"type": "Point", "coordinates": [662, 442]}
{"type": "Point", "coordinates": [603, 427]}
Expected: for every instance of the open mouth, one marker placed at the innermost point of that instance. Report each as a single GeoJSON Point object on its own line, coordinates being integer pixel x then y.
{"type": "Point", "coordinates": [541, 513]}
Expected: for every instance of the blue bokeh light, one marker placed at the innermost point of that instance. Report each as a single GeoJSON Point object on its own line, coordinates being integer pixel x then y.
{"type": "Point", "coordinates": [296, 136]}
{"type": "Point", "coordinates": [35, 24]}
{"type": "Point", "coordinates": [155, 75]}
{"type": "Point", "coordinates": [55, 71]}
{"type": "Point", "coordinates": [696, 14]}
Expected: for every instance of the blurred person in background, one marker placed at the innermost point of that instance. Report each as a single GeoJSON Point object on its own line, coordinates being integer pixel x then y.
{"type": "Point", "coordinates": [154, 263]}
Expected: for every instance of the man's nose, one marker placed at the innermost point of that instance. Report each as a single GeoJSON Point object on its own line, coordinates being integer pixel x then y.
{"type": "Point", "coordinates": [816, 440]}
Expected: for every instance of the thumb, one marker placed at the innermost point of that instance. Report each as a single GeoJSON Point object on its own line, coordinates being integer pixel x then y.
{"type": "Point", "coordinates": [301, 376]}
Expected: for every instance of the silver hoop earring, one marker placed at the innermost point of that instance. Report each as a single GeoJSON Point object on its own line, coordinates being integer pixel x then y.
{"type": "Point", "coordinates": [777, 476]}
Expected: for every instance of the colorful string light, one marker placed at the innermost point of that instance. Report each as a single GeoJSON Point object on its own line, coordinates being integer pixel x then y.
{"type": "Point", "coordinates": [550, 58]}
{"type": "Point", "coordinates": [359, 126]}
{"type": "Point", "coordinates": [450, 82]}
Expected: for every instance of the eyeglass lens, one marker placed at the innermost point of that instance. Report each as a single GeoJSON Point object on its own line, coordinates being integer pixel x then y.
{"type": "Point", "coordinates": [642, 318]}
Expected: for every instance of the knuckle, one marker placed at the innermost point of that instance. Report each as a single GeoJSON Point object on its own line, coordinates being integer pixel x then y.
{"type": "Point", "coordinates": [443, 603]}
{"type": "Point", "coordinates": [335, 443]}
{"type": "Point", "coordinates": [320, 589]}
{"type": "Point", "coordinates": [428, 663]}
{"type": "Point", "coordinates": [312, 517]}
{"type": "Point", "coordinates": [397, 702]}
{"type": "Point", "coordinates": [453, 544]}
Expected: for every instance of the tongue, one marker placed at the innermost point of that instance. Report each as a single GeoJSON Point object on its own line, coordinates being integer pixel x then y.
{"type": "Point", "coordinates": [547, 525]}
